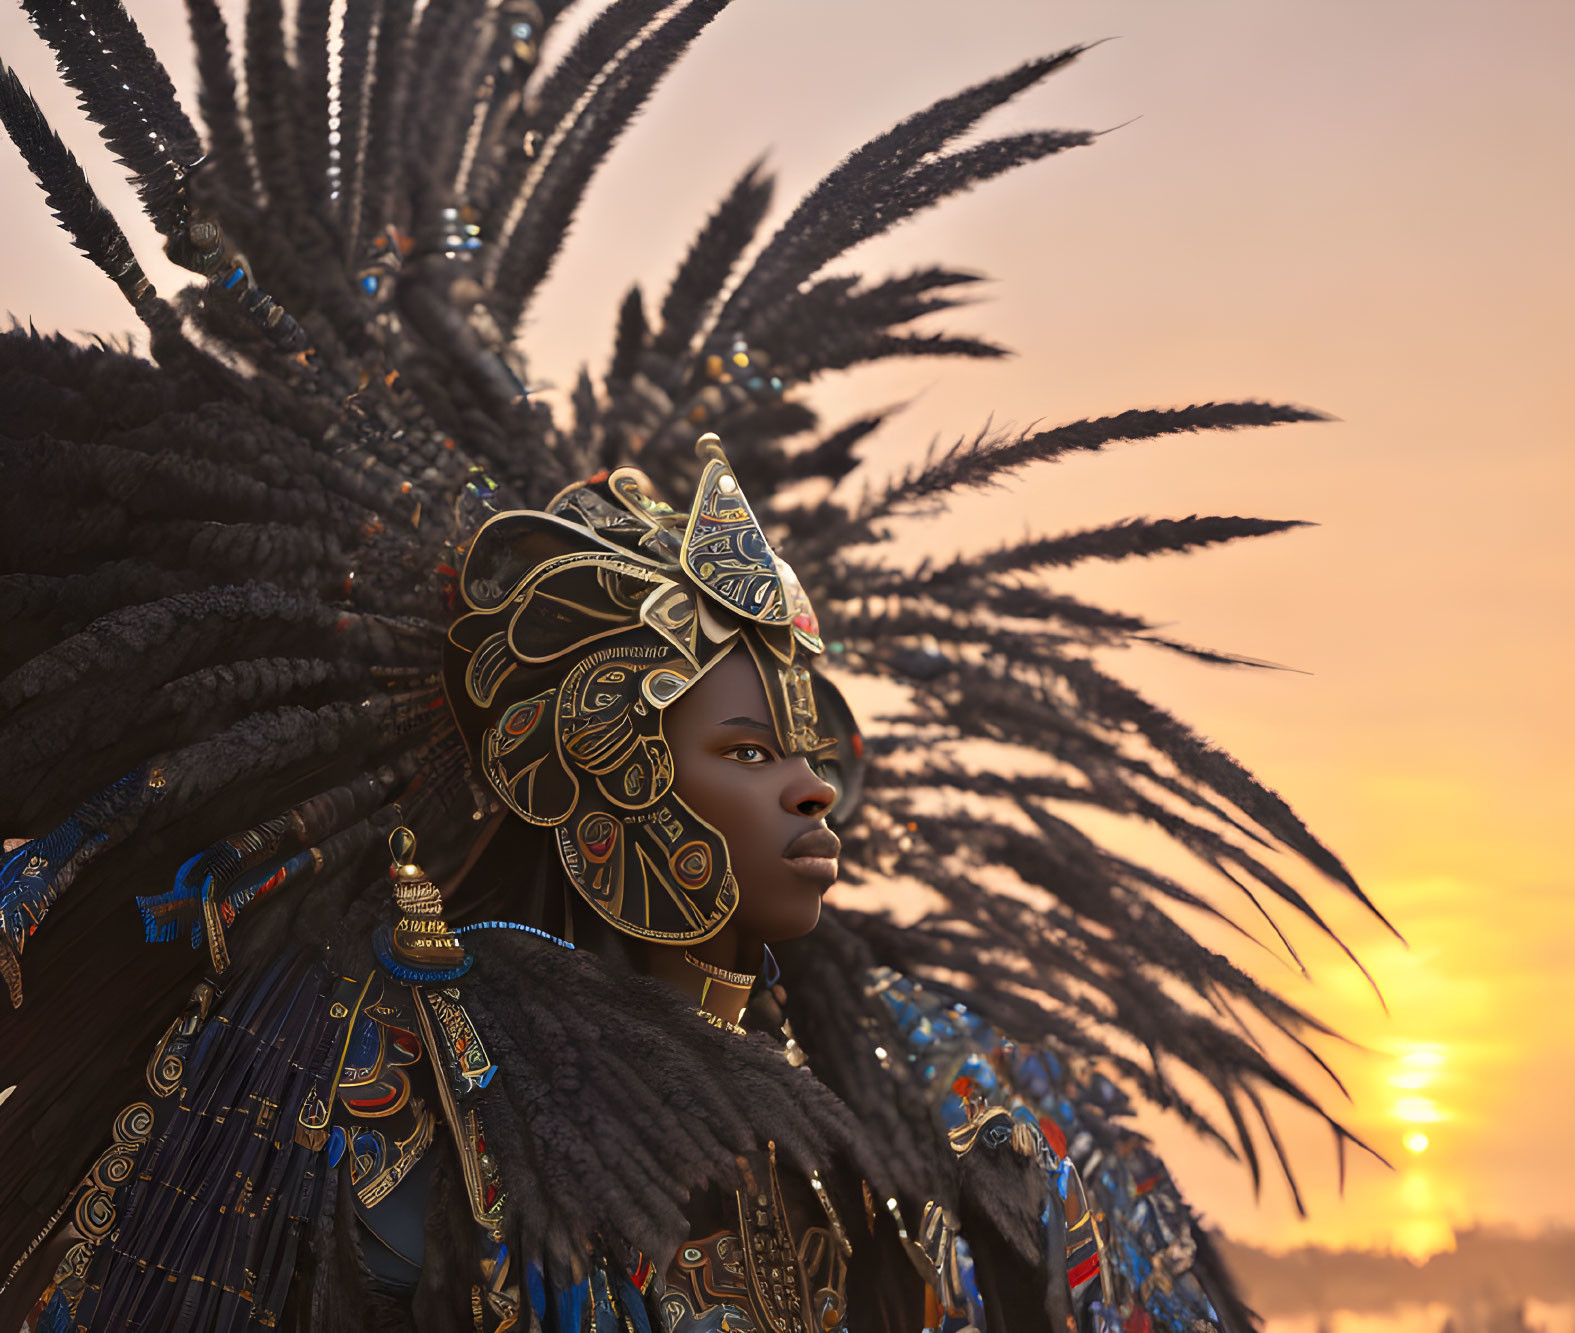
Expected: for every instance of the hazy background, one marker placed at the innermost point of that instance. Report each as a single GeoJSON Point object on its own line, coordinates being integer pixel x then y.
{"type": "Point", "coordinates": [1362, 207]}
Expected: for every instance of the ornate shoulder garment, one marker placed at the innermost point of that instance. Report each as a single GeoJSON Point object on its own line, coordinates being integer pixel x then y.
{"type": "Point", "coordinates": [1128, 1234]}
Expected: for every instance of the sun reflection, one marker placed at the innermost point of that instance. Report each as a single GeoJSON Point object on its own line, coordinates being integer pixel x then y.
{"type": "Point", "coordinates": [1421, 1222]}
{"type": "Point", "coordinates": [1417, 1192]}
{"type": "Point", "coordinates": [1418, 1110]}
{"type": "Point", "coordinates": [1423, 1055]}
{"type": "Point", "coordinates": [1420, 1064]}
{"type": "Point", "coordinates": [1418, 1237]}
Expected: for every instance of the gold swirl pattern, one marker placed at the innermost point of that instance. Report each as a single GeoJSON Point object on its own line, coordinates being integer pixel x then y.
{"type": "Point", "coordinates": [94, 1211]}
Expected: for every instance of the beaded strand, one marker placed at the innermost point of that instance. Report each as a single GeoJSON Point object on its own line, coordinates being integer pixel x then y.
{"type": "Point", "coordinates": [514, 925]}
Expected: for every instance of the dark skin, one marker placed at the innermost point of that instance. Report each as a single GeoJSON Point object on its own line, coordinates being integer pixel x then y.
{"type": "Point", "coordinates": [770, 806]}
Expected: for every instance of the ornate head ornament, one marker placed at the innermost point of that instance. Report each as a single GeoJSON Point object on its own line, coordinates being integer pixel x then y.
{"type": "Point", "coordinates": [583, 624]}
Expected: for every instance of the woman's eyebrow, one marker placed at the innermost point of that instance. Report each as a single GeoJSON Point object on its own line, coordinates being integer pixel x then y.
{"type": "Point", "coordinates": [746, 722]}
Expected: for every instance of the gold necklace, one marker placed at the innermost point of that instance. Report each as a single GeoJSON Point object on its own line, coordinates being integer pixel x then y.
{"type": "Point", "coordinates": [744, 980]}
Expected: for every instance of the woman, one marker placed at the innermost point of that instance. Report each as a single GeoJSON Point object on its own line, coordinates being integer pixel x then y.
{"type": "Point", "coordinates": [321, 575]}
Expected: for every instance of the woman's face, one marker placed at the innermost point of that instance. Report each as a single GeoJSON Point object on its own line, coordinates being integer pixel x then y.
{"type": "Point", "coordinates": [729, 768]}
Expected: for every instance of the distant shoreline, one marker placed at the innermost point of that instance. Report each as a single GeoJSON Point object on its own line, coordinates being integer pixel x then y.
{"type": "Point", "coordinates": [1487, 1266]}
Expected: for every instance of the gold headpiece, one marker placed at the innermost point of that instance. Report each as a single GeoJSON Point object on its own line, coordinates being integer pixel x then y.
{"type": "Point", "coordinates": [584, 623]}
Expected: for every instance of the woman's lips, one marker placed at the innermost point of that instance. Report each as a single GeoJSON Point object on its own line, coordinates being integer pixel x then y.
{"type": "Point", "coordinates": [813, 854]}
{"type": "Point", "coordinates": [822, 869]}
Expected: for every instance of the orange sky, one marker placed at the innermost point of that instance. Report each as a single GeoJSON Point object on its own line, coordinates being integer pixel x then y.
{"type": "Point", "coordinates": [1365, 208]}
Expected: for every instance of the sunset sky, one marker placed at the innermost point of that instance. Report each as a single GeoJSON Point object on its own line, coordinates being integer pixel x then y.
{"type": "Point", "coordinates": [1365, 208]}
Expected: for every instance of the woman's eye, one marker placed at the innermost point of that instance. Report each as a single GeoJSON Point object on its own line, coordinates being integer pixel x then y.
{"type": "Point", "coordinates": [750, 754]}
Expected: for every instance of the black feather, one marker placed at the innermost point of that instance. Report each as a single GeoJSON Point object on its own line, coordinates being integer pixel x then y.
{"type": "Point", "coordinates": [614, 29]}
{"type": "Point", "coordinates": [219, 101]}
{"type": "Point", "coordinates": [127, 93]}
{"type": "Point", "coordinates": [822, 226]}
{"type": "Point", "coordinates": [380, 189]}
{"type": "Point", "coordinates": [544, 224]}
{"type": "Point", "coordinates": [66, 190]}
{"type": "Point", "coordinates": [312, 72]}
{"type": "Point", "coordinates": [721, 243]}
{"type": "Point", "coordinates": [630, 343]}
{"type": "Point", "coordinates": [1117, 541]}
{"type": "Point", "coordinates": [357, 75]}
{"type": "Point", "coordinates": [986, 457]}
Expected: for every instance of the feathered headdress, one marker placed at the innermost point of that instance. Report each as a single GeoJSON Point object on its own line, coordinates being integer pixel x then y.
{"type": "Point", "coordinates": [229, 571]}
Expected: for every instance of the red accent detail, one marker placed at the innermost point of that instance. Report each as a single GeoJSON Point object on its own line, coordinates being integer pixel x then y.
{"type": "Point", "coordinates": [806, 622]}
{"type": "Point", "coordinates": [436, 703]}
{"type": "Point", "coordinates": [1138, 1322]}
{"type": "Point", "coordinates": [1144, 1186]}
{"type": "Point", "coordinates": [1054, 1135]}
{"type": "Point", "coordinates": [644, 1271]}
{"type": "Point", "coordinates": [1085, 1270]}
{"type": "Point", "coordinates": [489, 1196]}
{"type": "Point", "coordinates": [448, 571]}
{"type": "Point", "coordinates": [272, 882]}
{"type": "Point", "coordinates": [481, 1144]}
{"type": "Point", "coordinates": [405, 1042]}
{"type": "Point", "coordinates": [856, 744]}
{"type": "Point", "coordinates": [370, 1104]}
{"type": "Point", "coordinates": [962, 1085]}
{"type": "Point", "coordinates": [599, 476]}
{"type": "Point", "coordinates": [524, 721]}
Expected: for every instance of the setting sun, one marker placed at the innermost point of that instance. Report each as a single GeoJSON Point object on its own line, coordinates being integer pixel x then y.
{"type": "Point", "coordinates": [1416, 1142]}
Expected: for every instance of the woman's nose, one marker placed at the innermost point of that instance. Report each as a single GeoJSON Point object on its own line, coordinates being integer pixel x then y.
{"type": "Point", "coordinates": [806, 792]}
